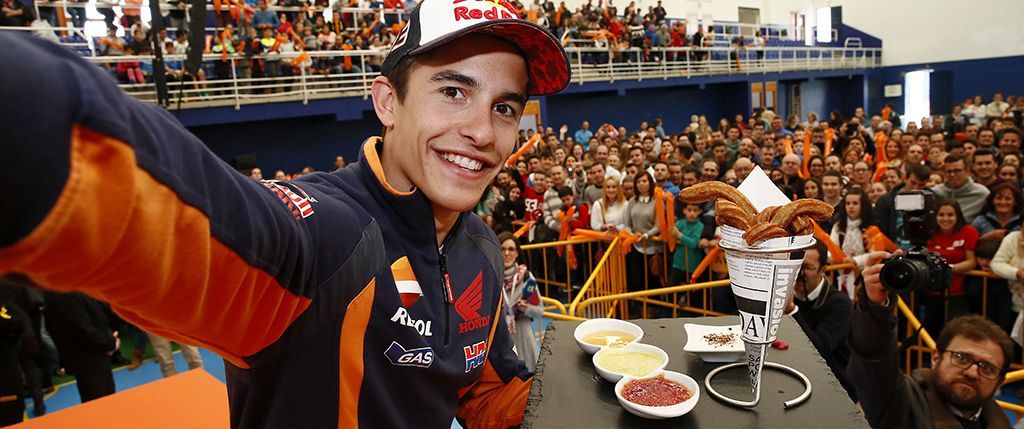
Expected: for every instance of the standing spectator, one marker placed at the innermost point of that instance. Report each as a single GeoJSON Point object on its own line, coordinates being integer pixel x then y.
{"type": "Point", "coordinates": [955, 241]}
{"type": "Point", "coordinates": [264, 18]}
{"type": "Point", "coordinates": [639, 219]}
{"type": "Point", "coordinates": [1008, 263]}
{"type": "Point", "coordinates": [80, 327]}
{"type": "Point", "coordinates": [131, 13]}
{"type": "Point", "coordinates": [583, 135]}
{"type": "Point", "coordinates": [608, 213]}
{"type": "Point", "coordinates": [1001, 213]}
{"type": "Point", "coordinates": [106, 8]}
{"type": "Point", "coordinates": [165, 356]}
{"type": "Point", "coordinates": [14, 330]}
{"type": "Point", "coordinates": [961, 187]}
{"type": "Point", "coordinates": [688, 253]}
{"type": "Point", "coordinates": [852, 218]}
{"type": "Point", "coordinates": [522, 301]}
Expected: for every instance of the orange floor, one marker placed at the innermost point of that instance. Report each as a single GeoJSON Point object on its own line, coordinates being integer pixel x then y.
{"type": "Point", "coordinates": [192, 399]}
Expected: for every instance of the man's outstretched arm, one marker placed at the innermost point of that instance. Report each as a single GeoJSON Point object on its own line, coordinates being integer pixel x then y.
{"type": "Point", "coordinates": [113, 197]}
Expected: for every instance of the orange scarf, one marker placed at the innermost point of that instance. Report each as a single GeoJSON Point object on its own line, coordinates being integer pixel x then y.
{"type": "Point", "coordinates": [805, 171]}
{"type": "Point", "coordinates": [830, 134]}
{"type": "Point", "coordinates": [883, 160]}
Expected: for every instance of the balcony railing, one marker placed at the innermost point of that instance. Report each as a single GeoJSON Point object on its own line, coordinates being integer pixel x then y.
{"type": "Point", "coordinates": [304, 83]}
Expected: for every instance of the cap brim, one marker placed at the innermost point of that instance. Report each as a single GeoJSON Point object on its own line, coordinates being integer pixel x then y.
{"type": "Point", "coordinates": [546, 61]}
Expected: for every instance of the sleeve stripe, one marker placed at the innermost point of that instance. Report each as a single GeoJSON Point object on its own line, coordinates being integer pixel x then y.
{"type": "Point", "coordinates": [121, 236]}
{"type": "Point", "coordinates": [350, 360]}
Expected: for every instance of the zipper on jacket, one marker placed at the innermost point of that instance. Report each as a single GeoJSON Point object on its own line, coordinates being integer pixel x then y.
{"type": "Point", "coordinates": [446, 289]}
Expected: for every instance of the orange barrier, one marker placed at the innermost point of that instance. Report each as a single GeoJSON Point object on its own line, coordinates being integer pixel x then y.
{"type": "Point", "coordinates": [193, 399]}
{"type": "Point", "coordinates": [705, 263]}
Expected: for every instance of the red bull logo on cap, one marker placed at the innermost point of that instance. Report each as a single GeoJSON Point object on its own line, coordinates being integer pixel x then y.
{"type": "Point", "coordinates": [500, 9]}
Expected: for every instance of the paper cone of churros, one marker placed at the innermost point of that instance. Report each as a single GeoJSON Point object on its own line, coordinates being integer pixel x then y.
{"type": "Point", "coordinates": [764, 235]}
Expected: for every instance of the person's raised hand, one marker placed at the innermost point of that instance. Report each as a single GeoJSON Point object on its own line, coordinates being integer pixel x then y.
{"type": "Point", "coordinates": [872, 277]}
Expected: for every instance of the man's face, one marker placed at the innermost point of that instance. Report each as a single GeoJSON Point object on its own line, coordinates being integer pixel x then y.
{"type": "Point", "coordinates": [938, 140]}
{"type": "Point", "coordinates": [504, 179]}
{"type": "Point", "coordinates": [742, 168]}
{"type": "Point", "coordinates": [915, 154]}
{"type": "Point", "coordinates": [875, 122]}
{"type": "Point", "coordinates": [708, 171]}
{"type": "Point", "coordinates": [832, 163]}
{"type": "Point", "coordinates": [966, 389]}
{"type": "Point", "coordinates": [535, 165]}
{"type": "Point", "coordinates": [971, 131]}
{"type": "Point", "coordinates": [716, 136]}
{"type": "Point", "coordinates": [568, 200]}
{"type": "Point", "coordinates": [858, 112]}
{"type": "Point", "coordinates": [636, 156]}
{"type": "Point", "coordinates": [689, 179]}
{"type": "Point", "coordinates": [540, 183]}
{"type": "Point", "coordinates": [660, 172]}
{"type": "Point", "coordinates": [776, 124]}
{"type": "Point", "coordinates": [830, 186]}
{"type": "Point", "coordinates": [721, 153]}
{"type": "Point", "coordinates": [675, 173]}
{"type": "Point", "coordinates": [1010, 143]}
{"type": "Point", "coordinates": [811, 270]}
{"type": "Point", "coordinates": [596, 175]}
{"type": "Point", "coordinates": [458, 121]}
{"type": "Point", "coordinates": [558, 175]}
{"type": "Point", "coordinates": [747, 147]}
{"type": "Point", "coordinates": [986, 137]}
{"type": "Point", "coordinates": [585, 125]}
{"type": "Point", "coordinates": [734, 134]}
{"type": "Point", "coordinates": [767, 154]}
{"type": "Point", "coordinates": [914, 183]}
{"type": "Point", "coordinates": [956, 174]}
{"type": "Point", "coordinates": [861, 172]}
{"type": "Point", "coordinates": [648, 144]}
{"type": "Point", "coordinates": [790, 165]}
{"type": "Point", "coordinates": [984, 166]}
{"type": "Point", "coordinates": [601, 154]}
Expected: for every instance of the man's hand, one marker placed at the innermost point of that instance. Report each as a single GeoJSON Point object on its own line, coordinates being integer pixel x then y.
{"type": "Point", "coordinates": [117, 345]}
{"type": "Point", "coordinates": [872, 280]}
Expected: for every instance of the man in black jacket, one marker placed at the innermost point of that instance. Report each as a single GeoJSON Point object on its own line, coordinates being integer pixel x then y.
{"type": "Point", "coordinates": [969, 363]}
{"type": "Point", "coordinates": [80, 327]}
{"type": "Point", "coordinates": [822, 313]}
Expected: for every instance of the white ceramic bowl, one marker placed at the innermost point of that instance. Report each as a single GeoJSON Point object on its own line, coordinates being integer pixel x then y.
{"type": "Point", "coordinates": [613, 376]}
{"type": "Point", "coordinates": [695, 343]}
{"type": "Point", "coordinates": [595, 325]}
{"type": "Point", "coordinates": [666, 412]}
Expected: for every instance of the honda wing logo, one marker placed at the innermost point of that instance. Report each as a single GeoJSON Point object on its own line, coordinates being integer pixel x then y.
{"type": "Point", "coordinates": [468, 306]}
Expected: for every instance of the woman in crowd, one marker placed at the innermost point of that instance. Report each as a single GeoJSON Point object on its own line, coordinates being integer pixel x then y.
{"type": "Point", "coordinates": [935, 179]}
{"type": "Point", "coordinates": [876, 191]}
{"type": "Point", "coordinates": [851, 219]}
{"type": "Point", "coordinates": [793, 122]}
{"type": "Point", "coordinates": [522, 301]}
{"type": "Point", "coordinates": [510, 208]}
{"type": "Point", "coordinates": [812, 188]}
{"type": "Point", "coordinates": [894, 155]}
{"type": "Point", "coordinates": [955, 241]}
{"type": "Point", "coordinates": [816, 166]}
{"type": "Point", "coordinates": [577, 151]}
{"type": "Point", "coordinates": [639, 219]}
{"type": "Point", "coordinates": [1009, 173]}
{"type": "Point", "coordinates": [608, 213]}
{"type": "Point", "coordinates": [1001, 214]}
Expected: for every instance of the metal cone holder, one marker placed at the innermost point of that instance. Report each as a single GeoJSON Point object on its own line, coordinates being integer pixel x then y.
{"type": "Point", "coordinates": [762, 279]}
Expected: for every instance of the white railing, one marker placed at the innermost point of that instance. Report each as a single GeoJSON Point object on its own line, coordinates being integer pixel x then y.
{"type": "Point", "coordinates": [588, 65]}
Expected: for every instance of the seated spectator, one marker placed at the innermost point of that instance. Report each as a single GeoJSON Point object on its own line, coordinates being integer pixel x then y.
{"type": "Point", "coordinates": [1001, 212]}
{"type": "Point", "coordinates": [509, 209]}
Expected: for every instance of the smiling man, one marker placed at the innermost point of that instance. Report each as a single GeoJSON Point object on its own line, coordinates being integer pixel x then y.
{"type": "Point", "coordinates": [364, 297]}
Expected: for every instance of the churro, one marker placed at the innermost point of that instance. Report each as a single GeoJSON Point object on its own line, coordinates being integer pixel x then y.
{"type": "Point", "coordinates": [762, 232]}
{"type": "Point", "coordinates": [732, 215]}
{"type": "Point", "coordinates": [702, 192]}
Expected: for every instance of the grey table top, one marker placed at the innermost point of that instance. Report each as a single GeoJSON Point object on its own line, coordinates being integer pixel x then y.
{"type": "Point", "coordinates": [568, 393]}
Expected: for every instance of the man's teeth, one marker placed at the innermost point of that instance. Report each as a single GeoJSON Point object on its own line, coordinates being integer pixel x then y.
{"type": "Point", "coordinates": [461, 161]}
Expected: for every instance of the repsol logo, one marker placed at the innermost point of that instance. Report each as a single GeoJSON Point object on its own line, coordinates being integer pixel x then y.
{"type": "Point", "coordinates": [402, 317]}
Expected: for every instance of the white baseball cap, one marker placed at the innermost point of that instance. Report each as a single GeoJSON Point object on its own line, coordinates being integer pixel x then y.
{"type": "Point", "coordinates": [433, 23]}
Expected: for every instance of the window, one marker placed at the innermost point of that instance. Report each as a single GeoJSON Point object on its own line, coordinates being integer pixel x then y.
{"type": "Point", "coordinates": [916, 98]}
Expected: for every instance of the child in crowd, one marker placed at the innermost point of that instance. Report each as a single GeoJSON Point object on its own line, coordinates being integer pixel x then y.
{"type": "Point", "coordinates": [688, 253]}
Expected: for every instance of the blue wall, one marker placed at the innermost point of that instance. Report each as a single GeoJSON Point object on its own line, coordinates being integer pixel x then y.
{"type": "Point", "coordinates": [952, 80]}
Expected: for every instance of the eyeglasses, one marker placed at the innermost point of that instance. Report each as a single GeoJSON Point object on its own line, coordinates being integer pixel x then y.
{"type": "Point", "coordinates": [965, 361]}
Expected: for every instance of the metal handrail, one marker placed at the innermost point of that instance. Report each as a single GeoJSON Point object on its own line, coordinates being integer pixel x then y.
{"type": "Point", "coordinates": [613, 247]}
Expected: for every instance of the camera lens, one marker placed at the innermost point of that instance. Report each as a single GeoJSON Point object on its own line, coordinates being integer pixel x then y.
{"type": "Point", "coordinates": [903, 274]}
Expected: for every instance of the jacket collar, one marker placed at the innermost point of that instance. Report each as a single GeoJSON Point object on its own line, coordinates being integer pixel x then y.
{"type": "Point", "coordinates": [943, 418]}
{"type": "Point", "coordinates": [411, 208]}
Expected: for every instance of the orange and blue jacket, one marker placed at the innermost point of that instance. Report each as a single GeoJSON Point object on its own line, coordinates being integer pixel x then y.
{"type": "Point", "coordinates": [328, 296]}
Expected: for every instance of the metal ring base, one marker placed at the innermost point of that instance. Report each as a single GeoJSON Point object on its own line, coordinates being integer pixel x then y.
{"type": "Point", "coordinates": [757, 395]}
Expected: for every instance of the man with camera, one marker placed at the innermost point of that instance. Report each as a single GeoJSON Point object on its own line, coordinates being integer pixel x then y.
{"type": "Point", "coordinates": [968, 365]}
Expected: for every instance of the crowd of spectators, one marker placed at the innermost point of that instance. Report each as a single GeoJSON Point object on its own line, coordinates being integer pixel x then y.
{"type": "Point", "coordinates": [970, 159]}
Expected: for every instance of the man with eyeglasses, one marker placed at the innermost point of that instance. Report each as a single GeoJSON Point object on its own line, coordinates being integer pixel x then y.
{"type": "Point", "coordinates": [960, 186]}
{"type": "Point", "coordinates": [969, 363]}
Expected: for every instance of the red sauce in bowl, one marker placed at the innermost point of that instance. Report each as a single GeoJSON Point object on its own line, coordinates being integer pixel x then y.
{"type": "Point", "coordinates": [655, 392]}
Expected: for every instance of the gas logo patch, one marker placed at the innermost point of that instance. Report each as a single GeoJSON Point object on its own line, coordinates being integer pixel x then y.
{"type": "Point", "coordinates": [475, 355]}
{"type": "Point", "coordinates": [399, 356]}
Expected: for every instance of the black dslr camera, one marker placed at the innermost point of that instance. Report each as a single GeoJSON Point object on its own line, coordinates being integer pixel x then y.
{"type": "Point", "coordinates": [919, 268]}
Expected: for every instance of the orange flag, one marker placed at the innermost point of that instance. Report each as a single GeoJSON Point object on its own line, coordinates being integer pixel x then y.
{"type": "Point", "coordinates": [878, 241]}
{"type": "Point", "coordinates": [805, 171]}
{"type": "Point", "coordinates": [704, 263]}
{"type": "Point", "coordinates": [563, 235]}
{"type": "Point", "coordinates": [664, 215]}
{"type": "Point", "coordinates": [830, 134]}
{"type": "Point", "coordinates": [837, 253]}
{"type": "Point", "coordinates": [523, 229]}
{"type": "Point", "coordinates": [883, 160]}
{"type": "Point", "coordinates": [787, 145]}
{"type": "Point", "coordinates": [522, 151]}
